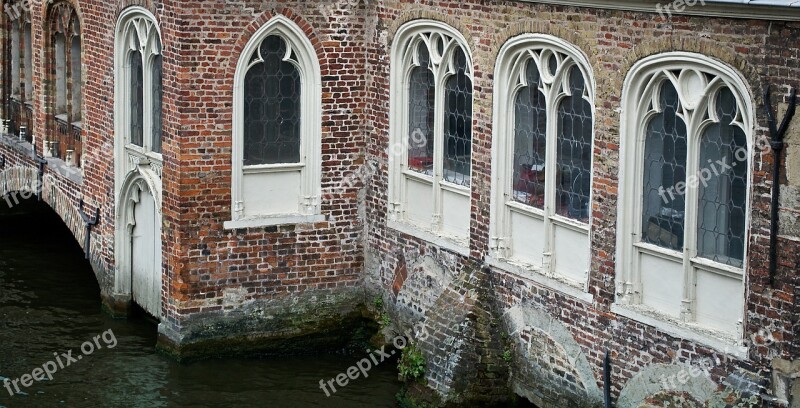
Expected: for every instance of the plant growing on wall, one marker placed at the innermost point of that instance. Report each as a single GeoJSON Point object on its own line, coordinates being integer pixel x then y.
{"type": "Point", "coordinates": [412, 364]}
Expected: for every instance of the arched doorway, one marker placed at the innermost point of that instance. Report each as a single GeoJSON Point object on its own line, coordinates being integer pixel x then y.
{"type": "Point", "coordinates": [138, 248]}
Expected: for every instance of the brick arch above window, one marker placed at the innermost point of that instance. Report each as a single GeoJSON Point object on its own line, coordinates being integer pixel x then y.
{"type": "Point", "coordinates": [259, 22]}
{"type": "Point", "coordinates": [701, 46]}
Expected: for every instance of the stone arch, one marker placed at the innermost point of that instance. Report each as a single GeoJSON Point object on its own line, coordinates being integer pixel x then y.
{"type": "Point", "coordinates": [143, 180]}
{"type": "Point", "coordinates": [149, 5]}
{"type": "Point", "coordinates": [569, 371]}
{"type": "Point", "coordinates": [530, 26]}
{"type": "Point", "coordinates": [26, 179]}
{"type": "Point", "coordinates": [253, 27]}
{"type": "Point", "coordinates": [426, 281]}
{"type": "Point", "coordinates": [428, 14]}
{"type": "Point", "coordinates": [706, 47]}
{"type": "Point", "coordinates": [659, 379]}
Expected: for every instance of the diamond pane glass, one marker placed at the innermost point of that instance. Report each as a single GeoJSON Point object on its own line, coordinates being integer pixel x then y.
{"type": "Point", "coordinates": [421, 96]}
{"type": "Point", "coordinates": [664, 167]}
{"type": "Point", "coordinates": [272, 92]}
{"type": "Point", "coordinates": [156, 98]}
{"type": "Point", "coordinates": [530, 127]}
{"type": "Point", "coordinates": [724, 160]}
{"type": "Point", "coordinates": [574, 152]}
{"type": "Point", "coordinates": [137, 98]}
{"type": "Point", "coordinates": [458, 123]}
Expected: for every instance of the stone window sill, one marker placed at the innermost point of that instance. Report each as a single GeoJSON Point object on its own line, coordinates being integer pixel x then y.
{"type": "Point", "coordinates": [720, 341]}
{"type": "Point", "coordinates": [568, 288]}
{"type": "Point", "coordinates": [445, 242]}
{"type": "Point", "coordinates": [270, 221]}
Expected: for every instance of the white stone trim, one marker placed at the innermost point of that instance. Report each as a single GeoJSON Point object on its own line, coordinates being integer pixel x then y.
{"type": "Point", "coordinates": [509, 79]}
{"type": "Point", "coordinates": [642, 82]}
{"type": "Point", "coordinates": [134, 23]}
{"type": "Point", "coordinates": [445, 242]}
{"type": "Point", "coordinates": [716, 340]}
{"type": "Point", "coordinates": [530, 274]}
{"type": "Point", "coordinates": [311, 113]}
{"type": "Point", "coordinates": [403, 60]}
{"type": "Point", "coordinates": [274, 220]}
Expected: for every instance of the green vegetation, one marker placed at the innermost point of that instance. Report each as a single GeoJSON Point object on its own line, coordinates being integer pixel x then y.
{"type": "Point", "coordinates": [412, 364]}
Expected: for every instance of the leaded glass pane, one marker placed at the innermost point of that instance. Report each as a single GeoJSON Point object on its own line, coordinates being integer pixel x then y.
{"type": "Point", "coordinates": [530, 127]}
{"type": "Point", "coordinates": [61, 74]}
{"type": "Point", "coordinates": [272, 92]}
{"type": "Point", "coordinates": [137, 98]}
{"type": "Point", "coordinates": [75, 79]}
{"type": "Point", "coordinates": [664, 205]}
{"type": "Point", "coordinates": [458, 123]}
{"type": "Point", "coordinates": [574, 154]}
{"type": "Point", "coordinates": [724, 160]}
{"type": "Point", "coordinates": [157, 90]}
{"type": "Point", "coordinates": [422, 94]}
{"type": "Point", "coordinates": [15, 58]}
{"type": "Point", "coordinates": [28, 64]}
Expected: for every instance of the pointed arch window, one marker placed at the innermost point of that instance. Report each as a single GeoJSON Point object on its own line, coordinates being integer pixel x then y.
{"type": "Point", "coordinates": [688, 141]}
{"type": "Point", "coordinates": [18, 80]}
{"type": "Point", "coordinates": [277, 129]}
{"type": "Point", "coordinates": [430, 153]}
{"type": "Point", "coordinates": [542, 155]}
{"type": "Point", "coordinates": [65, 57]}
{"type": "Point", "coordinates": [139, 86]}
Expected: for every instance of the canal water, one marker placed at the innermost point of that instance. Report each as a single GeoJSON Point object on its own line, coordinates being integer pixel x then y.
{"type": "Point", "coordinates": [50, 303]}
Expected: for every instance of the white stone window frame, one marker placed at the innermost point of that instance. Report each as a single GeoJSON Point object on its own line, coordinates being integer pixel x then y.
{"type": "Point", "coordinates": [641, 86]}
{"type": "Point", "coordinates": [509, 80]}
{"type": "Point", "coordinates": [404, 60]}
{"type": "Point", "coordinates": [310, 166]}
{"type": "Point", "coordinates": [139, 23]}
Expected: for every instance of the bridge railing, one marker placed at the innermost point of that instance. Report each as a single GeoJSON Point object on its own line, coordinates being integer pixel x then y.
{"type": "Point", "coordinates": [67, 143]}
{"type": "Point", "coordinates": [20, 115]}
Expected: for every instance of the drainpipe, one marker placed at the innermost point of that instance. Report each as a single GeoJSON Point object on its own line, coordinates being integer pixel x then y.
{"type": "Point", "coordinates": [607, 380]}
{"type": "Point", "coordinates": [777, 144]}
{"type": "Point", "coordinates": [88, 223]}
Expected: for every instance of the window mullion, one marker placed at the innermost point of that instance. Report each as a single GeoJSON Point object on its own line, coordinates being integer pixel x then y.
{"type": "Point", "coordinates": [438, 146]}
{"type": "Point", "coordinates": [551, 137]}
{"type": "Point", "coordinates": [690, 226]}
{"type": "Point", "coordinates": [147, 110]}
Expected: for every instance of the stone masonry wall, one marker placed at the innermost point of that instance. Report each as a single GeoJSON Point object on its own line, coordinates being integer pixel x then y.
{"type": "Point", "coordinates": [538, 318]}
{"type": "Point", "coordinates": [489, 328]}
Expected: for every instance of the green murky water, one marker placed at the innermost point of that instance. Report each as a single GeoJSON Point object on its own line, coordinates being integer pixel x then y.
{"type": "Point", "coordinates": [50, 303]}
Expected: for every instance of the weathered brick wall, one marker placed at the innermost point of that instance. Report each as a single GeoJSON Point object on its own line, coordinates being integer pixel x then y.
{"type": "Point", "coordinates": [248, 276]}
{"type": "Point", "coordinates": [763, 52]}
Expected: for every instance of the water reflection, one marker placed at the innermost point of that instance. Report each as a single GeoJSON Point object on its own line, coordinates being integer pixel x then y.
{"type": "Point", "coordinates": [49, 302]}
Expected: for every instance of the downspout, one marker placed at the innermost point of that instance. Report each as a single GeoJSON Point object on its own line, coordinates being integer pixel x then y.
{"type": "Point", "coordinates": [88, 223]}
{"type": "Point", "coordinates": [607, 380]}
{"type": "Point", "coordinates": [776, 143]}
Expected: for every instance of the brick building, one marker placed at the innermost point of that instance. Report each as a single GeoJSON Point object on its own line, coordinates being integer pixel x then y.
{"type": "Point", "coordinates": [535, 182]}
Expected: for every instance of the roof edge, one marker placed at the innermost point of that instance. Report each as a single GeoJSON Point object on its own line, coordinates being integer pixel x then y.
{"type": "Point", "coordinates": [719, 8]}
